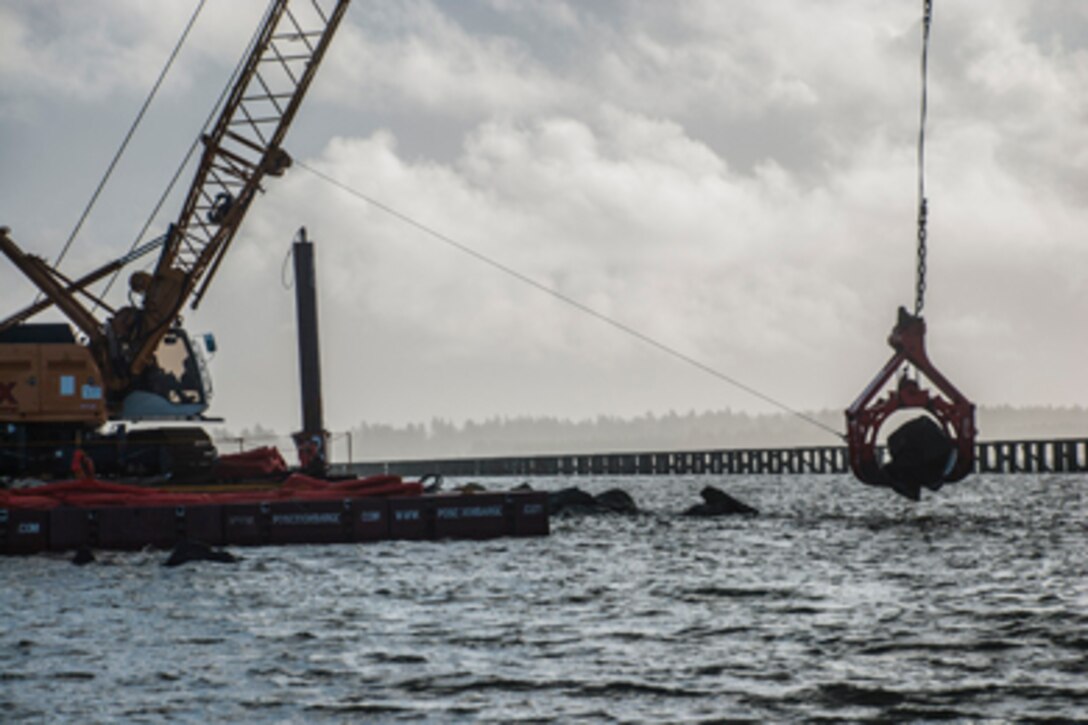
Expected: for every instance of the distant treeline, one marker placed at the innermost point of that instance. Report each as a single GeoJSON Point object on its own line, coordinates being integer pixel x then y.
{"type": "Point", "coordinates": [672, 431]}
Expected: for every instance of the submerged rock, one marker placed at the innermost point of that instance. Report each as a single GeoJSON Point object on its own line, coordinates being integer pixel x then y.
{"type": "Point", "coordinates": [617, 500]}
{"type": "Point", "coordinates": [575, 500]}
{"type": "Point", "coordinates": [432, 482]}
{"type": "Point", "coordinates": [718, 503]}
{"type": "Point", "coordinates": [83, 556]}
{"type": "Point", "coordinates": [471, 487]}
{"type": "Point", "coordinates": [187, 551]}
{"type": "Point", "coordinates": [571, 500]}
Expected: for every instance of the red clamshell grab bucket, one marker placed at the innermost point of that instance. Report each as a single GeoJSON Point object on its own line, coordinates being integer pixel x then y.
{"type": "Point", "coordinates": [954, 413]}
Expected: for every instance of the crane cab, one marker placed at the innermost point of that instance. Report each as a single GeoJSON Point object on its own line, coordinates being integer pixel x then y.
{"type": "Point", "coordinates": [47, 376]}
{"type": "Point", "coordinates": [53, 401]}
{"type": "Point", "coordinates": [175, 386]}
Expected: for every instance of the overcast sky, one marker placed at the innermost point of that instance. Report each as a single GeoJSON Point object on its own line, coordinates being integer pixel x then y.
{"type": "Point", "coordinates": [736, 180]}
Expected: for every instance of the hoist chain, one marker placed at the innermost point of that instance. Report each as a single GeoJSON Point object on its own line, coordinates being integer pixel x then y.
{"type": "Point", "coordinates": [920, 292]}
{"type": "Point", "coordinates": [923, 205]}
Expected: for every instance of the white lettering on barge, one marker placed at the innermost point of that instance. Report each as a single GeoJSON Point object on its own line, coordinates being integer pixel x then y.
{"type": "Point", "coordinates": [306, 519]}
{"type": "Point", "coordinates": [470, 512]}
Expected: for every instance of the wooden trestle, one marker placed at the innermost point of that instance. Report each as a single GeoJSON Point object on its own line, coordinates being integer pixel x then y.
{"type": "Point", "coordinates": [1066, 455]}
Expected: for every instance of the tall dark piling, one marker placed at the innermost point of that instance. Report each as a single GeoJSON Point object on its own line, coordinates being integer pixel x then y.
{"type": "Point", "coordinates": [312, 440]}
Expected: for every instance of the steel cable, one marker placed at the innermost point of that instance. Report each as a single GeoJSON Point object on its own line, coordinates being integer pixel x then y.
{"type": "Point", "coordinates": [923, 203]}
{"type": "Point", "coordinates": [129, 135]}
{"type": "Point", "coordinates": [622, 327]}
{"type": "Point", "coordinates": [189, 154]}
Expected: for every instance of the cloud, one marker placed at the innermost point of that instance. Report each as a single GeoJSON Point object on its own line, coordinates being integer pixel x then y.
{"type": "Point", "coordinates": [736, 180]}
{"type": "Point", "coordinates": [414, 54]}
{"type": "Point", "coordinates": [606, 213]}
{"type": "Point", "coordinates": [88, 51]}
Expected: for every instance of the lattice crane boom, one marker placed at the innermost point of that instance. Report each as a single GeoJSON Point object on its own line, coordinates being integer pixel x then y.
{"type": "Point", "coordinates": [243, 147]}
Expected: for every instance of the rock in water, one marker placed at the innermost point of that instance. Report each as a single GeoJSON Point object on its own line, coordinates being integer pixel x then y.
{"type": "Point", "coordinates": [83, 556]}
{"type": "Point", "coordinates": [187, 551]}
{"type": "Point", "coordinates": [718, 503]}
{"type": "Point", "coordinates": [573, 500]}
{"type": "Point", "coordinates": [471, 487]}
{"type": "Point", "coordinates": [432, 482]}
{"type": "Point", "coordinates": [617, 501]}
{"type": "Point", "coordinates": [922, 454]}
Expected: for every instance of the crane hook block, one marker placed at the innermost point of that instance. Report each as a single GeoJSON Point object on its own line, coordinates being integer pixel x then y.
{"type": "Point", "coordinates": [927, 451]}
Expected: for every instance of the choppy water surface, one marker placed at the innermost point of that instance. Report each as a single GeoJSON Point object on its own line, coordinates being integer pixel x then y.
{"type": "Point", "coordinates": [839, 602]}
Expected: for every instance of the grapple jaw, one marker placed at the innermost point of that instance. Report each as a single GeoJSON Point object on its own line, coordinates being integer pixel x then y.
{"type": "Point", "coordinates": [954, 414]}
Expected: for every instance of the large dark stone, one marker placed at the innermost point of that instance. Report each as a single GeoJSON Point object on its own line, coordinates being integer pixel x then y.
{"type": "Point", "coordinates": [617, 501]}
{"type": "Point", "coordinates": [83, 556]}
{"type": "Point", "coordinates": [187, 551]}
{"type": "Point", "coordinates": [432, 482]}
{"type": "Point", "coordinates": [470, 487]}
{"type": "Point", "coordinates": [571, 500]}
{"type": "Point", "coordinates": [575, 500]}
{"type": "Point", "coordinates": [921, 455]}
{"type": "Point", "coordinates": [718, 503]}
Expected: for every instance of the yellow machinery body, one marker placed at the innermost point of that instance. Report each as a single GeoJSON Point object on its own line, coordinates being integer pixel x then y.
{"type": "Point", "coordinates": [50, 383]}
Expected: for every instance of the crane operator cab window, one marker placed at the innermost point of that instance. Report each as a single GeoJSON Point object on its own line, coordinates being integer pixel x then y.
{"type": "Point", "coordinates": [173, 386]}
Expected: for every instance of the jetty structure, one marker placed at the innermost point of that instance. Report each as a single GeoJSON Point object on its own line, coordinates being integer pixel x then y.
{"type": "Point", "coordinates": [1059, 455]}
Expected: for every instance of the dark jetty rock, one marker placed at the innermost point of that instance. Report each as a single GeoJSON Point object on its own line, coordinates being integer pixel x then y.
{"type": "Point", "coordinates": [187, 551]}
{"type": "Point", "coordinates": [83, 556]}
{"type": "Point", "coordinates": [576, 501]}
{"type": "Point", "coordinates": [432, 482]}
{"type": "Point", "coordinates": [921, 455]}
{"type": "Point", "coordinates": [617, 500]}
{"type": "Point", "coordinates": [718, 503]}
{"type": "Point", "coordinates": [470, 487]}
{"type": "Point", "coordinates": [571, 500]}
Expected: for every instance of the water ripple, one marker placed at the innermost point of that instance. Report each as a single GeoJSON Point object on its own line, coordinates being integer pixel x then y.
{"type": "Point", "coordinates": [838, 603]}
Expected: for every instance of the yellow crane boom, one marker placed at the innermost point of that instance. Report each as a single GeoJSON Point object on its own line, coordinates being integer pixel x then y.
{"type": "Point", "coordinates": [136, 363]}
{"type": "Point", "coordinates": [242, 148]}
